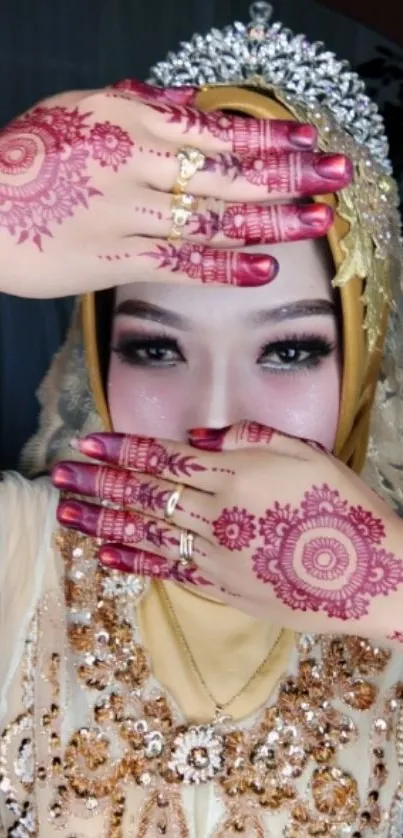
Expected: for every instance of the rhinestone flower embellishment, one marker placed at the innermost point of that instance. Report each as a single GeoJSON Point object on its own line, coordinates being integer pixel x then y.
{"type": "Point", "coordinates": [325, 556]}
{"type": "Point", "coordinates": [197, 755]}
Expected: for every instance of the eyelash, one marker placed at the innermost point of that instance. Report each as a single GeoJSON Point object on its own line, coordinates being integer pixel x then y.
{"type": "Point", "coordinates": [317, 348]}
{"type": "Point", "coordinates": [128, 349]}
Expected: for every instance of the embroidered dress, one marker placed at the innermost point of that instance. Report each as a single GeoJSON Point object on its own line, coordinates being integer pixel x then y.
{"type": "Point", "coordinates": [93, 745]}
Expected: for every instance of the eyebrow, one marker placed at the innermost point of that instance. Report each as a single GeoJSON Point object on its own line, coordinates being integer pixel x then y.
{"type": "Point", "coordinates": [289, 311]}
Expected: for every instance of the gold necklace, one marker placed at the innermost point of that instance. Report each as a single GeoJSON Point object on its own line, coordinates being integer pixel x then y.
{"type": "Point", "coordinates": [219, 709]}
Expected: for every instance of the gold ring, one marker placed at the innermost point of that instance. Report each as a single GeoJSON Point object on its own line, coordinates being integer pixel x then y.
{"type": "Point", "coordinates": [172, 502]}
{"type": "Point", "coordinates": [190, 161]}
{"type": "Point", "coordinates": [186, 545]}
{"type": "Point", "coordinates": [182, 207]}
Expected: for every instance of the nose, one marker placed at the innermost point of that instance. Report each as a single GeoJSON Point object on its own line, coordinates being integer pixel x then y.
{"type": "Point", "coordinates": [217, 402]}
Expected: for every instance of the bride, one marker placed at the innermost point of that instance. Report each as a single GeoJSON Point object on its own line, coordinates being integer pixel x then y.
{"type": "Point", "coordinates": [201, 606]}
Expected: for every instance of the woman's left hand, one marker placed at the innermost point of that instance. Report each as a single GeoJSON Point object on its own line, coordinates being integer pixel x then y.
{"type": "Point", "coordinates": [278, 527]}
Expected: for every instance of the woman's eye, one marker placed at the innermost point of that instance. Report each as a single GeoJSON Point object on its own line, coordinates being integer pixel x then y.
{"type": "Point", "coordinates": [295, 353]}
{"type": "Point", "coordinates": [149, 352]}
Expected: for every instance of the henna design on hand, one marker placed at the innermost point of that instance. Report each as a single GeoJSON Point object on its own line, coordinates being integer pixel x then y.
{"type": "Point", "coordinates": [235, 529]}
{"type": "Point", "coordinates": [151, 93]}
{"type": "Point", "coordinates": [243, 135]}
{"type": "Point", "coordinates": [325, 556]}
{"type": "Point", "coordinates": [255, 224]}
{"type": "Point", "coordinates": [142, 563]}
{"type": "Point", "coordinates": [296, 173]}
{"type": "Point", "coordinates": [140, 453]}
{"type": "Point", "coordinates": [114, 525]}
{"type": "Point", "coordinates": [117, 486]}
{"type": "Point", "coordinates": [44, 158]}
{"type": "Point", "coordinates": [213, 439]}
{"type": "Point", "coordinates": [208, 265]}
{"type": "Point", "coordinates": [397, 636]}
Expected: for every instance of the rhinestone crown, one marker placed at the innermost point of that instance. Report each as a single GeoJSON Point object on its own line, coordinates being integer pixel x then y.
{"type": "Point", "coordinates": [305, 72]}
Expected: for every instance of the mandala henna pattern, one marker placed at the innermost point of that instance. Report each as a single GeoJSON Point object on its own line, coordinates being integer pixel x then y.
{"type": "Point", "coordinates": [235, 529]}
{"type": "Point", "coordinates": [325, 556]}
{"type": "Point", "coordinates": [44, 157]}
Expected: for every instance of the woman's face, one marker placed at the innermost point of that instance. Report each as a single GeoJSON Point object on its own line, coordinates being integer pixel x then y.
{"type": "Point", "coordinates": [186, 357]}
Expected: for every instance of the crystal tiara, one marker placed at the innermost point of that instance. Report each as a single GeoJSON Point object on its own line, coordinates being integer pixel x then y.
{"type": "Point", "coordinates": [305, 72]}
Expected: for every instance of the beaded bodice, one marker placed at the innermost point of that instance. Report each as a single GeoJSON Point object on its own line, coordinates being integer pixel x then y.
{"type": "Point", "coordinates": [94, 746]}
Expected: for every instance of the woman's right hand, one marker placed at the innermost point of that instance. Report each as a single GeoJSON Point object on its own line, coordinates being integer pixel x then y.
{"type": "Point", "coordinates": [85, 183]}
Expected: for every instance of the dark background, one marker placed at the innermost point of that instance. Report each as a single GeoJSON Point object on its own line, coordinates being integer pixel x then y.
{"type": "Point", "coordinates": [48, 46]}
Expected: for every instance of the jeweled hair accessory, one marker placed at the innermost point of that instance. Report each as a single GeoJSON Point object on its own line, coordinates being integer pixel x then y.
{"type": "Point", "coordinates": [306, 72]}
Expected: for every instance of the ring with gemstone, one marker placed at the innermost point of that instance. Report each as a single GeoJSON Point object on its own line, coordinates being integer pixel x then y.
{"type": "Point", "coordinates": [190, 161]}
{"type": "Point", "coordinates": [182, 207]}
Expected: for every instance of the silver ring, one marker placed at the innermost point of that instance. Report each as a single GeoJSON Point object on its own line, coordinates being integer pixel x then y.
{"type": "Point", "coordinates": [186, 545]}
{"type": "Point", "coordinates": [172, 502]}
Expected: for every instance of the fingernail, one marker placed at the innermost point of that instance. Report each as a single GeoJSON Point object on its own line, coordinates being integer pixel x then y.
{"type": "Point", "coordinates": [63, 476]}
{"type": "Point", "coordinates": [318, 216]}
{"type": "Point", "coordinates": [70, 513]}
{"type": "Point", "coordinates": [254, 269]}
{"type": "Point", "coordinates": [181, 95]}
{"type": "Point", "coordinates": [178, 95]}
{"type": "Point", "coordinates": [113, 559]}
{"type": "Point", "coordinates": [333, 166]}
{"type": "Point", "coordinates": [209, 439]}
{"type": "Point", "coordinates": [92, 446]}
{"type": "Point", "coordinates": [303, 136]}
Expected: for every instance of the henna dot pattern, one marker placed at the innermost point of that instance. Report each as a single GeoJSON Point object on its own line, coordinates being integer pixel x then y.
{"type": "Point", "coordinates": [325, 556]}
{"type": "Point", "coordinates": [44, 178]}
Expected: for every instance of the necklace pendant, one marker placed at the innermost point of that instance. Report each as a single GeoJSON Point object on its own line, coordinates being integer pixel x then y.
{"type": "Point", "coordinates": [221, 719]}
{"type": "Point", "coordinates": [198, 754]}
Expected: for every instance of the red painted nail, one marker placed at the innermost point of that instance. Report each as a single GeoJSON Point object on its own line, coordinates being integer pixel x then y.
{"type": "Point", "coordinates": [251, 270]}
{"type": "Point", "coordinates": [78, 516]}
{"type": "Point", "coordinates": [177, 95]}
{"type": "Point", "coordinates": [93, 446]}
{"type": "Point", "coordinates": [63, 476]}
{"type": "Point", "coordinates": [208, 439]}
{"type": "Point", "coordinates": [303, 136]}
{"type": "Point", "coordinates": [134, 561]}
{"type": "Point", "coordinates": [70, 513]}
{"type": "Point", "coordinates": [319, 216]}
{"type": "Point", "coordinates": [333, 166]}
{"type": "Point", "coordinates": [115, 559]}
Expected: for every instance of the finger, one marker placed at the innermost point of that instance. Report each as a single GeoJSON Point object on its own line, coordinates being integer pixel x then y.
{"type": "Point", "coordinates": [227, 225]}
{"type": "Point", "coordinates": [184, 96]}
{"type": "Point", "coordinates": [136, 492]}
{"type": "Point", "coordinates": [143, 563]}
{"type": "Point", "coordinates": [128, 528]}
{"type": "Point", "coordinates": [249, 435]}
{"type": "Point", "coordinates": [171, 461]}
{"type": "Point", "coordinates": [158, 260]}
{"type": "Point", "coordinates": [216, 131]}
{"type": "Point", "coordinates": [278, 175]}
